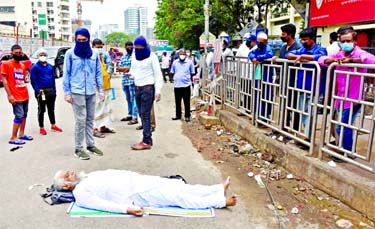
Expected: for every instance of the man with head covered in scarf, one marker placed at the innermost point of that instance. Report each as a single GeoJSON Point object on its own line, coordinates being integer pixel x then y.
{"type": "Point", "coordinates": [82, 76]}
{"type": "Point", "coordinates": [148, 80]}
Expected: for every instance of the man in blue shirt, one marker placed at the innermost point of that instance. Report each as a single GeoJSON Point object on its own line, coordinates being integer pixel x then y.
{"type": "Point", "coordinates": [257, 56]}
{"type": "Point", "coordinates": [82, 75]}
{"type": "Point", "coordinates": [182, 71]}
{"type": "Point", "coordinates": [43, 82]}
{"type": "Point", "coordinates": [128, 85]}
{"type": "Point", "coordinates": [310, 52]}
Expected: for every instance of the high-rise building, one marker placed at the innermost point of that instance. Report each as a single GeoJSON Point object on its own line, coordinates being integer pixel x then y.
{"type": "Point", "coordinates": [42, 17]}
{"type": "Point", "coordinates": [136, 20]}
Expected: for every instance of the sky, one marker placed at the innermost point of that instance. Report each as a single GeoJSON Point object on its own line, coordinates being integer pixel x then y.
{"type": "Point", "coordinates": [111, 11]}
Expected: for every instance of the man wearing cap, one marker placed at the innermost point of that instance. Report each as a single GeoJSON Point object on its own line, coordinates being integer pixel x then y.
{"type": "Point", "coordinates": [43, 82]}
{"type": "Point", "coordinates": [148, 80]}
{"type": "Point", "coordinates": [257, 56]}
{"type": "Point", "coordinates": [82, 77]}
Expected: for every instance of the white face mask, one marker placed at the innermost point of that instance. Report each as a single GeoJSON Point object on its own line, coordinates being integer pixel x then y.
{"type": "Point", "coordinates": [182, 57]}
{"type": "Point", "coordinates": [43, 58]}
{"type": "Point", "coordinates": [188, 54]}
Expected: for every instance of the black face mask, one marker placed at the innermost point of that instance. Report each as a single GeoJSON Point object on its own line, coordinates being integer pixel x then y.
{"type": "Point", "coordinates": [305, 45]}
{"type": "Point", "coordinates": [283, 39]}
{"type": "Point", "coordinates": [17, 57]}
{"type": "Point", "coordinates": [248, 43]}
{"type": "Point", "coordinates": [129, 51]}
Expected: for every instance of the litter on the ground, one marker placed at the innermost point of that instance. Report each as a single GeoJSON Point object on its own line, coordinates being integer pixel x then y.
{"type": "Point", "coordinates": [332, 164]}
{"type": "Point", "coordinates": [344, 223]}
{"type": "Point", "coordinates": [260, 183]}
{"type": "Point", "coordinates": [294, 210]}
{"type": "Point", "coordinates": [289, 176]}
{"type": "Point", "coordinates": [250, 174]}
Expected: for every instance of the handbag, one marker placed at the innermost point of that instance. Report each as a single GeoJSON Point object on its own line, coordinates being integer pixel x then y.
{"type": "Point", "coordinates": [258, 72]}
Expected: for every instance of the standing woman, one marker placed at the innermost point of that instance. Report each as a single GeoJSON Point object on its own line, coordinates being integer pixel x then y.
{"type": "Point", "coordinates": [43, 82]}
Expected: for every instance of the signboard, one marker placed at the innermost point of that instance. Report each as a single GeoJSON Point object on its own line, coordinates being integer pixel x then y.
{"type": "Point", "coordinates": [211, 40]}
{"type": "Point", "coordinates": [42, 23]}
{"type": "Point", "coordinates": [158, 42]}
{"type": "Point", "coordinates": [333, 12]}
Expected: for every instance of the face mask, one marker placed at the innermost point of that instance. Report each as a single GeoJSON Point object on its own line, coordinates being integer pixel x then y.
{"type": "Point", "coordinates": [17, 57]}
{"type": "Point", "coordinates": [100, 51]}
{"type": "Point", "coordinates": [283, 39]}
{"type": "Point", "coordinates": [43, 58]}
{"type": "Point", "coordinates": [188, 54]}
{"type": "Point", "coordinates": [182, 57]}
{"type": "Point", "coordinates": [260, 45]}
{"type": "Point", "coordinates": [347, 47]}
{"type": "Point", "coordinates": [129, 51]}
{"type": "Point", "coordinates": [305, 45]}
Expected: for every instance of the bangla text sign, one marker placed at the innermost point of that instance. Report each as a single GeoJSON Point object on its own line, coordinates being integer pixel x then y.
{"type": "Point", "coordinates": [332, 12]}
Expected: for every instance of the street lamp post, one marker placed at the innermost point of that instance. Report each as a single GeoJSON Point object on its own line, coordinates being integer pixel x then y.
{"type": "Point", "coordinates": [206, 23]}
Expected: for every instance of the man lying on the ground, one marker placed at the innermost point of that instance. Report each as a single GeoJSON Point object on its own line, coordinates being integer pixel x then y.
{"type": "Point", "coordinates": [128, 192]}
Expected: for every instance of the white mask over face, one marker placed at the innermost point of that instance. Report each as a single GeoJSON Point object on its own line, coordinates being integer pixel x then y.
{"type": "Point", "coordinates": [182, 57]}
{"type": "Point", "coordinates": [43, 58]}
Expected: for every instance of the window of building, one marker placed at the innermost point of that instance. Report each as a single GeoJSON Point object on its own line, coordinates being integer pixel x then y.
{"type": "Point", "coordinates": [49, 4]}
{"type": "Point", "coordinates": [39, 4]}
{"type": "Point", "coordinates": [7, 9]}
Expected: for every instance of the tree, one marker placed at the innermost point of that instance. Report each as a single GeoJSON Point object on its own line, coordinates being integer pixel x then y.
{"type": "Point", "coordinates": [118, 38]}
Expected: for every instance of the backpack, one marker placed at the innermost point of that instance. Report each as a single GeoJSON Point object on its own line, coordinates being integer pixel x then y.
{"type": "Point", "coordinates": [57, 196]}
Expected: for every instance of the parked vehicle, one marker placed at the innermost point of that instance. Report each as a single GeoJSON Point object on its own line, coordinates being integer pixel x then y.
{"type": "Point", "coordinates": [7, 55]}
{"type": "Point", "coordinates": [56, 56]}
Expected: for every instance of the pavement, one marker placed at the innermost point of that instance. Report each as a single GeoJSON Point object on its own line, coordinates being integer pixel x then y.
{"type": "Point", "coordinates": [38, 160]}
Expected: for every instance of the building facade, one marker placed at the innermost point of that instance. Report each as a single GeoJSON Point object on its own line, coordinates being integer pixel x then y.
{"type": "Point", "coordinates": [106, 29]}
{"type": "Point", "coordinates": [136, 21]}
{"type": "Point", "coordinates": [38, 18]}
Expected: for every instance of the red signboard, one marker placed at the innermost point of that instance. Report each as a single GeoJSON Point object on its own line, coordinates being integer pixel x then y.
{"type": "Point", "coordinates": [333, 12]}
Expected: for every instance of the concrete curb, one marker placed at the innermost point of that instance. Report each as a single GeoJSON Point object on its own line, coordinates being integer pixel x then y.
{"type": "Point", "coordinates": [356, 191]}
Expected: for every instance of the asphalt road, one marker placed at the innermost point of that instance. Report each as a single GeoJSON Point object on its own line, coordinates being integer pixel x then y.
{"type": "Point", "coordinates": [38, 160]}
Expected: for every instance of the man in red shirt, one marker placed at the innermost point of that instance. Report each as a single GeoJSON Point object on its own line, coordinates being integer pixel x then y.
{"type": "Point", "coordinates": [14, 72]}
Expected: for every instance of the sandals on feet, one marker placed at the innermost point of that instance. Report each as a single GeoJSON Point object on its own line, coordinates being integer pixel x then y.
{"type": "Point", "coordinates": [133, 121]}
{"type": "Point", "coordinates": [26, 137]}
{"type": "Point", "coordinates": [108, 130]}
{"type": "Point", "coordinates": [17, 142]}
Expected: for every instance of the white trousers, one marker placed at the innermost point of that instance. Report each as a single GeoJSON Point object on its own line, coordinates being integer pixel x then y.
{"type": "Point", "coordinates": [184, 196]}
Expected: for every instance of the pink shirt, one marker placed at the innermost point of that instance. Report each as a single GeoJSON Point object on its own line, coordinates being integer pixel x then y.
{"type": "Point", "coordinates": [354, 81]}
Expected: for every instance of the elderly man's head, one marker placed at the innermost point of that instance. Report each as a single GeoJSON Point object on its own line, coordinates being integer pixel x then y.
{"type": "Point", "coordinates": [262, 39]}
{"type": "Point", "coordinates": [65, 180]}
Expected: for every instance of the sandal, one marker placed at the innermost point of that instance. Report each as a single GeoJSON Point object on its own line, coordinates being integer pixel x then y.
{"type": "Point", "coordinates": [107, 130]}
{"type": "Point", "coordinates": [99, 134]}
{"type": "Point", "coordinates": [17, 142]}
{"type": "Point", "coordinates": [26, 137]}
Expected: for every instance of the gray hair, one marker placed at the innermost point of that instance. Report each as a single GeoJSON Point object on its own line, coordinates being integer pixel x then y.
{"type": "Point", "coordinates": [58, 181]}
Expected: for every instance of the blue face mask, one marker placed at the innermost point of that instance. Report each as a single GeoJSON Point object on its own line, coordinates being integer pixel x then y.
{"type": "Point", "coordinates": [347, 47]}
{"type": "Point", "coordinates": [260, 45]}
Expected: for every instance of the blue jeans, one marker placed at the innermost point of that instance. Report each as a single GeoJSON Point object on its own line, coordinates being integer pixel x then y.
{"type": "Point", "coordinates": [347, 140]}
{"type": "Point", "coordinates": [145, 97]}
{"type": "Point", "coordinates": [20, 110]}
{"type": "Point", "coordinates": [305, 108]}
{"type": "Point", "coordinates": [129, 91]}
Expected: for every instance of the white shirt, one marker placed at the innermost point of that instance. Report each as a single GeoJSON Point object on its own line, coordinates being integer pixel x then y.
{"type": "Point", "coordinates": [146, 72]}
{"type": "Point", "coordinates": [333, 48]}
{"type": "Point", "coordinates": [111, 190]}
{"type": "Point", "coordinates": [243, 51]}
{"type": "Point", "coordinates": [165, 60]}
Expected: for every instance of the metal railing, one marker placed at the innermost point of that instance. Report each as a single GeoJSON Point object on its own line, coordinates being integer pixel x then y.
{"type": "Point", "coordinates": [283, 102]}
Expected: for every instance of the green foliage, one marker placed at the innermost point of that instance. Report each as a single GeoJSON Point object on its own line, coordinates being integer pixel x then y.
{"type": "Point", "coordinates": [118, 38]}
{"type": "Point", "coordinates": [182, 22]}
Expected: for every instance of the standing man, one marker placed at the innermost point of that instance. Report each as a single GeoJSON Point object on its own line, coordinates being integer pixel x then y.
{"type": "Point", "coordinates": [148, 82]}
{"type": "Point", "coordinates": [103, 109]}
{"type": "Point", "coordinates": [43, 82]}
{"type": "Point", "coordinates": [165, 62]}
{"type": "Point", "coordinates": [288, 33]}
{"type": "Point", "coordinates": [310, 52]}
{"type": "Point", "coordinates": [182, 71]}
{"type": "Point", "coordinates": [348, 111]}
{"type": "Point", "coordinates": [128, 85]}
{"type": "Point", "coordinates": [82, 75]}
{"type": "Point", "coordinates": [13, 73]}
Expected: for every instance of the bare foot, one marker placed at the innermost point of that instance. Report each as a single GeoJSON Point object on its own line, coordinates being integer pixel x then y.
{"type": "Point", "coordinates": [231, 201]}
{"type": "Point", "coordinates": [226, 183]}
